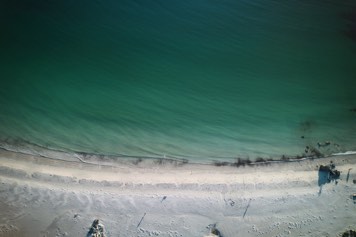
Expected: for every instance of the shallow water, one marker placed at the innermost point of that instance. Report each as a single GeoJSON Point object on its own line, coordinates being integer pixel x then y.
{"type": "Point", "coordinates": [203, 80]}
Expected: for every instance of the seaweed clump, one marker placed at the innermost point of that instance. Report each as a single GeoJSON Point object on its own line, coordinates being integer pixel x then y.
{"type": "Point", "coordinates": [242, 162]}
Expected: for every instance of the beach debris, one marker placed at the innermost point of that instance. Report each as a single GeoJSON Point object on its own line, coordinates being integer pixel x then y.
{"type": "Point", "coordinates": [241, 162]}
{"type": "Point", "coordinates": [229, 202]}
{"type": "Point", "coordinates": [354, 181]}
{"type": "Point", "coordinates": [349, 233]}
{"type": "Point", "coordinates": [248, 205]}
{"type": "Point", "coordinates": [214, 231]}
{"type": "Point", "coordinates": [354, 198]}
{"type": "Point", "coordinates": [137, 161]}
{"type": "Point", "coordinates": [164, 198]}
{"type": "Point", "coordinates": [141, 220]}
{"type": "Point", "coordinates": [221, 163]}
{"type": "Point", "coordinates": [96, 229]}
{"type": "Point", "coordinates": [348, 175]}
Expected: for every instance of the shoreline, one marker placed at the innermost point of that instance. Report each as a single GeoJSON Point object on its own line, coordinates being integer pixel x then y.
{"type": "Point", "coordinates": [48, 197]}
{"type": "Point", "coordinates": [114, 160]}
{"type": "Point", "coordinates": [25, 147]}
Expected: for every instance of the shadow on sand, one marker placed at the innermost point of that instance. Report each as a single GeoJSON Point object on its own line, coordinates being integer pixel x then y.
{"type": "Point", "coordinates": [327, 174]}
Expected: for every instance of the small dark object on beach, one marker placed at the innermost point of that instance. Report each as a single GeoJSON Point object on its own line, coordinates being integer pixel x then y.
{"type": "Point", "coordinates": [354, 181]}
{"type": "Point", "coordinates": [137, 161]}
{"type": "Point", "coordinates": [335, 174]}
{"type": "Point", "coordinates": [302, 137]}
{"type": "Point", "coordinates": [159, 161]}
{"type": "Point", "coordinates": [285, 158]}
{"type": "Point", "coordinates": [221, 163]}
{"type": "Point", "coordinates": [96, 230]}
{"type": "Point", "coordinates": [260, 160]}
{"type": "Point", "coordinates": [138, 225]}
{"type": "Point", "coordinates": [164, 198]}
{"type": "Point", "coordinates": [349, 233]}
{"type": "Point", "coordinates": [95, 223]}
{"type": "Point", "coordinates": [215, 231]}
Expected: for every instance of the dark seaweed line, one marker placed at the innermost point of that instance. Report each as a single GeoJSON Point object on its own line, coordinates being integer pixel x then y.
{"type": "Point", "coordinates": [131, 159]}
{"type": "Point", "coordinates": [160, 161]}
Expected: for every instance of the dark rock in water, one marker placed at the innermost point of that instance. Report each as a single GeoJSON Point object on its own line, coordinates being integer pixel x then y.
{"type": "Point", "coordinates": [306, 149]}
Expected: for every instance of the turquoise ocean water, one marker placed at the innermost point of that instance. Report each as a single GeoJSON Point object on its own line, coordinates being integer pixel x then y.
{"type": "Point", "coordinates": [203, 80]}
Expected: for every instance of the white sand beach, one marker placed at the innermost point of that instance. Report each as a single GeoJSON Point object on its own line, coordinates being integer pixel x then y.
{"type": "Point", "coordinates": [45, 197]}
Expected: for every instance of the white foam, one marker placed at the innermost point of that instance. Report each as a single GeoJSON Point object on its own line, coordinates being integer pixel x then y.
{"type": "Point", "coordinates": [344, 153]}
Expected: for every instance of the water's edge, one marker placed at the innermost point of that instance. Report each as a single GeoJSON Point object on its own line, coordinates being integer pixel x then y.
{"type": "Point", "coordinates": [115, 160]}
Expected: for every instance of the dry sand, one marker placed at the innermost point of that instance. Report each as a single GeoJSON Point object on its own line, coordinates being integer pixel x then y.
{"type": "Point", "coordinates": [44, 197]}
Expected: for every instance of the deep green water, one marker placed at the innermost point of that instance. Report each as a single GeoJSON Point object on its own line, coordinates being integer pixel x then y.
{"type": "Point", "coordinates": [197, 79]}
